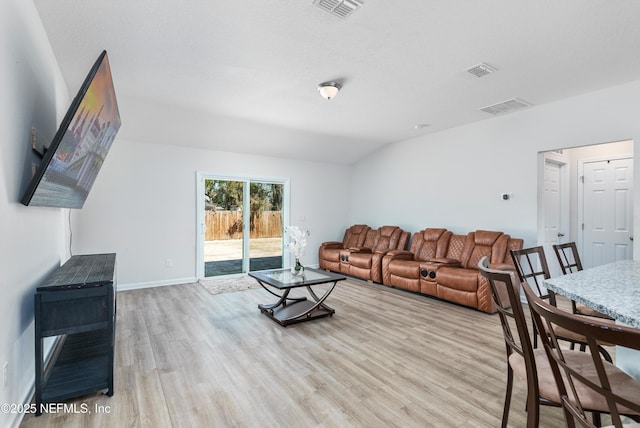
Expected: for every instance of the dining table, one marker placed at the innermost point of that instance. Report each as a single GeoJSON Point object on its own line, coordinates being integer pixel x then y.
{"type": "Point", "coordinates": [613, 289]}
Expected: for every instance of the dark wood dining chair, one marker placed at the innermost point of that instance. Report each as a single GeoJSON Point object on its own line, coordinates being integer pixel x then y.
{"type": "Point", "coordinates": [585, 381]}
{"type": "Point", "coordinates": [531, 265]}
{"type": "Point", "coordinates": [569, 260]}
{"type": "Point", "coordinates": [528, 364]}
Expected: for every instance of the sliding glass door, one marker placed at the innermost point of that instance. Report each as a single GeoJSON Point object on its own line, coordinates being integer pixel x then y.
{"type": "Point", "coordinates": [241, 224]}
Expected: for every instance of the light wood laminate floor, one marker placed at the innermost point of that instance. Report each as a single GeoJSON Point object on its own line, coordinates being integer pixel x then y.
{"type": "Point", "coordinates": [186, 358]}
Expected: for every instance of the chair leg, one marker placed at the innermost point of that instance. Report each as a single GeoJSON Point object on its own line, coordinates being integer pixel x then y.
{"type": "Point", "coordinates": [507, 397]}
{"type": "Point", "coordinates": [533, 403]}
{"type": "Point", "coordinates": [533, 411]}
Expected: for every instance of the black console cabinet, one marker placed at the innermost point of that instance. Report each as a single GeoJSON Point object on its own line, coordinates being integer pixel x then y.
{"type": "Point", "coordinates": [76, 303]}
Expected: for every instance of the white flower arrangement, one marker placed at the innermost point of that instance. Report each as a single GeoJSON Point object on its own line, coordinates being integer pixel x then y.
{"type": "Point", "coordinates": [298, 240]}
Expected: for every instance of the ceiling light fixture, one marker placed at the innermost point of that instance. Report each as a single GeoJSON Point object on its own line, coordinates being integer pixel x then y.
{"type": "Point", "coordinates": [329, 90]}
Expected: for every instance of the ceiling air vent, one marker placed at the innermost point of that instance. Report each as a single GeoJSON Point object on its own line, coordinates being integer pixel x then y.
{"type": "Point", "coordinates": [506, 106]}
{"type": "Point", "coordinates": [340, 8]}
{"type": "Point", "coordinates": [481, 70]}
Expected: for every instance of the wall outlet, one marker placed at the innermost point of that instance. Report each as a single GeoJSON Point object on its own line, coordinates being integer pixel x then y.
{"type": "Point", "coordinates": [5, 374]}
{"type": "Point", "coordinates": [169, 263]}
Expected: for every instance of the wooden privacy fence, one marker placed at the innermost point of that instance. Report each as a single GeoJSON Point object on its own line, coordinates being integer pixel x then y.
{"type": "Point", "coordinates": [228, 225]}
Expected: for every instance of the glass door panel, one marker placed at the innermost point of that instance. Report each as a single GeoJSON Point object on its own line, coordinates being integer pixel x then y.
{"type": "Point", "coordinates": [265, 237]}
{"type": "Point", "coordinates": [223, 237]}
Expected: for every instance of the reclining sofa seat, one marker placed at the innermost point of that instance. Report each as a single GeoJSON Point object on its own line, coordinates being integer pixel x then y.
{"type": "Point", "coordinates": [464, 284]}
{"type": "Point", "coordinates": [366, 262]}
{"type": "Point", "coordinates": [329, 252]}
{"type": "Point", "coordinates": [402, 268]}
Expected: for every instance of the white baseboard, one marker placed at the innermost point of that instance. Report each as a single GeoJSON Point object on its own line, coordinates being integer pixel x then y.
{"type": "Point", "coordinates": [151, 284]}
{"type": "Point", "coordinates": [176, 281]}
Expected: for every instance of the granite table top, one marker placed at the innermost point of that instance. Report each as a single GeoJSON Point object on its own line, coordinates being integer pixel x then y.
{"type": "Point", "coordinates": [613, 289]}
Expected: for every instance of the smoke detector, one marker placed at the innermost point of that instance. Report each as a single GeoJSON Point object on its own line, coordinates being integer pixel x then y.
{"type": "Point", "coordinates": [481, 70]}
{"type": "Point", "coordinates": [340, 8]}
{"type": "Point", "coordinates": [506, 106]}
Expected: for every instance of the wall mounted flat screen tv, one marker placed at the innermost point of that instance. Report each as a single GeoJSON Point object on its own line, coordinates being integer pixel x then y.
{"type": "Point", "coordinates": [73, 159]}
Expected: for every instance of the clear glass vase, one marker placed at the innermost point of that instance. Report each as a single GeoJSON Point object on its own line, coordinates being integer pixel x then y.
{"type": "Point", "coordinates": [297, 268]}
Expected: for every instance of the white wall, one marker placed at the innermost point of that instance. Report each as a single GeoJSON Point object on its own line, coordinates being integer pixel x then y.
{"type": "Point", "coordinates": [454, 178]}
{"type": "Point", "coordinates": [143, 206]}
{"type": "Point", "coordinates": [31, 238]}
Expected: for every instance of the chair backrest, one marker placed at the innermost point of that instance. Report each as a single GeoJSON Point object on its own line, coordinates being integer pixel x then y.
{"type": "Point", "coordinates": [456, 246]}
{"type": "Point", "coordinates": [430, 243]}
{"type": "Point", "coordinates": [481, 243]}
{"type": "Point", "coordinates": [355, 236]}
{"type": "Point", "coordinates": [531, 265]}
{"type": "Point", "coordinates": [505, 292]}
{"type": "Point", "coordinates": [372, 236]}
{"type": "Point", "coordinates": [389, 238]}
{"type": "Point", "coordinates": [568, 257]}
{"type": "Point", "coordinates": [600, 378]}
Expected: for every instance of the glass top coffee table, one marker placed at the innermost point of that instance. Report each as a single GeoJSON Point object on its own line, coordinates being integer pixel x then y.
{"type": "Point", "coordinates": [290, 310]}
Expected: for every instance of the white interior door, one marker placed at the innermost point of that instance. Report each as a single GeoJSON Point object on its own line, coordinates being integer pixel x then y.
{"type": "Point", "coordinates": [607, 227]}
{"type": "Point", "coordinates": [555, 209]}
{"type": "Point", "coordinates": [553, 223]}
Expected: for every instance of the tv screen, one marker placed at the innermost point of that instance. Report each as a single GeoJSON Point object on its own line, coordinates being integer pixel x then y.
{"type": "Point", "coordinates": [71, 163]}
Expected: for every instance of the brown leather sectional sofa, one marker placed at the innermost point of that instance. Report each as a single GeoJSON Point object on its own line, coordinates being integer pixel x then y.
{"type": "Point", "coordinates": [361, 251]}
{"type": "Point", "coordinates": [439, 263]}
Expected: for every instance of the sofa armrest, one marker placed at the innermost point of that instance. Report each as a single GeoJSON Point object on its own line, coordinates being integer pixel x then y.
{"type": "Point", "coordinates": [443, 261]}
{"type": "Point", "coordinates": [331, 244]}
{"type": "Point", "coordinates": [382, 252]}
{"type": "Point", "coordinates": [360, 250]}
{"type": "Point", "coordinates": [399, 255]}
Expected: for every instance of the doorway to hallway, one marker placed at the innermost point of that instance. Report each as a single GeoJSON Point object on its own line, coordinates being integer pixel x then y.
{"type": "Point", "coordinates": [585, 195]}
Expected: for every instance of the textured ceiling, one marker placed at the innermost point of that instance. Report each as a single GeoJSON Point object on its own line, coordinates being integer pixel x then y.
{"type": "Point", "coordinates": [242, 75]}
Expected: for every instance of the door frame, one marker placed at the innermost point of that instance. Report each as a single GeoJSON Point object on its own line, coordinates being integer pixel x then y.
{"type": "Point", "coordinates": [565, 194]}
{"type": "Point", "coordinates": [580, 190]}
{"type": "Point", "coordinates": [200, 179]}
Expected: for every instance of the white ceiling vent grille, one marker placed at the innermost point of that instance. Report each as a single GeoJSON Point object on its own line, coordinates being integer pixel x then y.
{"type": "Point", "coordinates": [506, 106]}
{"type": "Point", "coordinates": [340, 8]}
{"type": "Point", "coordinates": [481, 70]}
